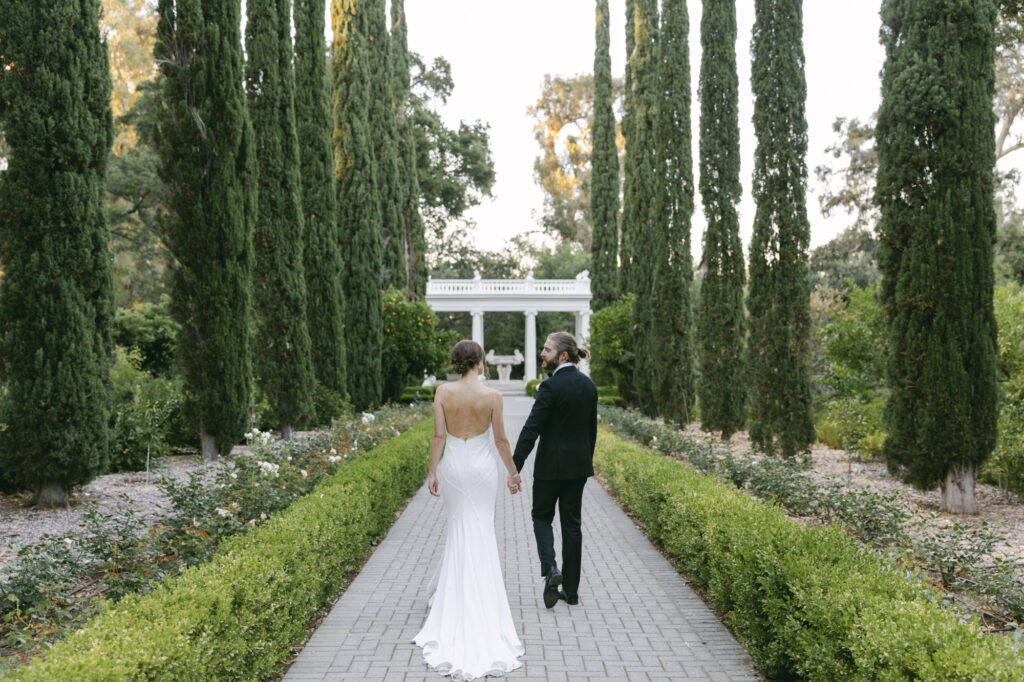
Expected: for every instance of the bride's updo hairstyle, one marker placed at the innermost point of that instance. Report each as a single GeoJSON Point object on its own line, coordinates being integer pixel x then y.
{"type": "Point", "coordinates": [465, 356]}
{"type": "Point", "coordinates": [564, 341]}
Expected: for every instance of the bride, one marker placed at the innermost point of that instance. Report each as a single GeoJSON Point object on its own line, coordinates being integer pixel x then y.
{"type": "Point", "coordinates": [469, 631]}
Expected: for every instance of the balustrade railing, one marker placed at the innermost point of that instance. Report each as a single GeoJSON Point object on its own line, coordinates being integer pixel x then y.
{"type": "Point", "coordinates": [508, 286]}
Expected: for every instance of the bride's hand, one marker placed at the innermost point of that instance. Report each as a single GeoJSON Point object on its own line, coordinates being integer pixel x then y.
{"type": "Point", "coordinates": [432, 484]}
{"type": "Point", "coordinates": [515, 483]}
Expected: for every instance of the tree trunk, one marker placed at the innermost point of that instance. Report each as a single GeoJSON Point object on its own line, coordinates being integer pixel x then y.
{"type": "Point", "coordinates": [209, 446]}
{"type": "Point", "coordinates": [286, 431]}
{"type": "Point", "coordinates": [51, 495]}
{"type": "Point", "coordinates": [958, 490]}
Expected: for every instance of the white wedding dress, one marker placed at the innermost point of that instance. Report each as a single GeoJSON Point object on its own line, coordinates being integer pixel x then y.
{"type": "Point", "coordinates": [469, 631]}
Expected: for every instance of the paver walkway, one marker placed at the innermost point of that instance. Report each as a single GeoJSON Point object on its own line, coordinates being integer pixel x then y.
{"type": "Point", "coordinates": [637, 618]}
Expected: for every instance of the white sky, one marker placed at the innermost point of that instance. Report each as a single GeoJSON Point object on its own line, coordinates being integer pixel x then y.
{"type": "Point", "coordinates": [499, 57]}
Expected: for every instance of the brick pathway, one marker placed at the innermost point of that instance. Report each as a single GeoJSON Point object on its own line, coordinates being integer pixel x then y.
{"type": "Point", "coordinates": [637, 618]}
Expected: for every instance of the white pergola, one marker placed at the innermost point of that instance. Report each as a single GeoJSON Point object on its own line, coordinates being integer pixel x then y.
{"type": "Point", "coordinates": [529, 296]}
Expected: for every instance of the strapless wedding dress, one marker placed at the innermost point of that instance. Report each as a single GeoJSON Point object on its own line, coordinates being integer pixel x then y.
{"type": "Point", "coordinates": [469, 631]}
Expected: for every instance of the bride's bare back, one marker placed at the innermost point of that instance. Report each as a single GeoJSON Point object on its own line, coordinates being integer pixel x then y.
{"type": "Point", "coordinates": [464, 409]}
{"type": "Point", "coordinates": [468, 407]}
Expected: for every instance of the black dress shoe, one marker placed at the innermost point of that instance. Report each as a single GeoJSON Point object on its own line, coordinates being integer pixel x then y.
{"type": "Point", "coordinates": [551, 584]}
{"type": "Point", "coordinates": [571, 601]}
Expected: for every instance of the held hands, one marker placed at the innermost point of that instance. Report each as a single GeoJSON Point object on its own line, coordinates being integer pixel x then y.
{"type": "Point", "coordinates": [432, 484]}
{"type": "Point", "coordinates": [515, 483]}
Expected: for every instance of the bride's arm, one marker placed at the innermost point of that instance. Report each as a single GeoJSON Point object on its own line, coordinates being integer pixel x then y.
{"type": "Point", "coordinates": [501, 442]}
{"type": "Point", "coordinates": [436, 442]}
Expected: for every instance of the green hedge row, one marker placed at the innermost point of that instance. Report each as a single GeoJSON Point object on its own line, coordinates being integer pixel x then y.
{"type": "Point", "coordinates": [236, 616]}
{"type": "Point", "coordinates": [531, 387]}
{"type": "Point", "coordinates": [417, 393]}
{"type": "Point", "coordinates": [806, 602]}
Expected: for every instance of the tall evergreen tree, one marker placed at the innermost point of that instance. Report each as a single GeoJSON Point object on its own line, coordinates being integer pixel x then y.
{"type": "Point", "coordinates": [604, 175]}
{"type": "Point", "coordinates": [779, 299]}
{"type": "Point", "coordinates": [936, 142]}
{"type": "Point", "coordinates": [671, 319]}
{"type": "Point", "coordinates": [720, 319]}
{"type": "Point", "coordinates": [413, 228]}
{"type": "Point", "coordinates": [322, 248]}
{"type": "Point", "coordinates": [284, 367]}
{"type": "Point", "coordinates": [56, 296]}
{"type": "Point", "coordinates": [205, 141]}
{"type": "Point", "coordinates": [625, 226]}
{"type": "Point", "coordinates": [384, 136]}
{"type": "Point", "coordinates": [642, 179]}
{"type": "Point", "coordinates": [358, 206]}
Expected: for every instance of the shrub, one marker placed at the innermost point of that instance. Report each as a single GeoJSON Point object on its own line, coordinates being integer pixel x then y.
{"type": "Point", "coordinates": [853, 424]}
{"type": "Point", "coordinates": [612, 344]}
{"type": "Point", "coordinates": [806, 602]}
{"type": "Point", "coordinates": [150, 328]}
{"type": "Point", "coordinates": [237, 616]}
{"type": "Point", "coordinates": [412, 343]}
{"type": "Point", "coordinates": [418, 393]}
{"type": "Point", "coordinates": [144, 413]}
{"type": "Point", "coordinates": [1006, 465]}
{"type": "Point", "coordinates": [329, 404]}
{"type": "Point", "coordinates": [855, 345]}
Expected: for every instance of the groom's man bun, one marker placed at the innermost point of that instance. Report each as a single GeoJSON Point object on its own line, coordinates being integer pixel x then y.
{"type": "Point", "coordinates": [564, 341]}
{"type": "Point", "coordinates": [466, 355]}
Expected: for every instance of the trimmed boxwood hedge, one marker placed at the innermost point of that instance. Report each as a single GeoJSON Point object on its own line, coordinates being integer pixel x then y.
{"type": "Point", "coordinates": [807, 603]}
{"type": "Point", "coordinates": [236, 616]}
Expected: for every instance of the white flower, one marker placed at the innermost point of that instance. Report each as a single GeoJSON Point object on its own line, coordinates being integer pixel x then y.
{"type": "Point", "coordinates": [345, 455]}
{"type": "Point", "coordinates": [263, 516]}
{"type": "Point", "coordinates": [333, 451]}
{"type": "Point", "coordinates": [268, 468]}
{"type": "Point", "coordinates": [304, 473]}
{"type": "Point", "coordinates": [223, 513]}
{"type": "Point", "coordinates": [252, 523]}
{"type": "Point", "coordinates": [334, 459]}
{"type": "Point", "coordinates": [368, 417]}
{"type": "Point", "coordinates": [234, 474]}
{"type": "Point", "coordinates": [69, 541]}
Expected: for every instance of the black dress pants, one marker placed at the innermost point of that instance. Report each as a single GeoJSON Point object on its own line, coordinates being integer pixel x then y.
{"type": "Point", "coordinates": [568, 495]}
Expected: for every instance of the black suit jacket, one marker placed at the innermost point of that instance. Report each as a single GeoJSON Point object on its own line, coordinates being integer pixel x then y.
{"type": "Point", "coordinates": [564, 416]}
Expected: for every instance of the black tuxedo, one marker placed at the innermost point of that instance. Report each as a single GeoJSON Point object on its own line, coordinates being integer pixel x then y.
{"type": "Point", "coordinates": [564, 416]}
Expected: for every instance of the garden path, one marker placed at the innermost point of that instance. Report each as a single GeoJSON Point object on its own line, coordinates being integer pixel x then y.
{"type": "Point", "coordinates": [637, 618]}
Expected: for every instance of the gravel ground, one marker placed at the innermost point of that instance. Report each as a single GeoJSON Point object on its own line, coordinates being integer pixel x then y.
{"type": "Point", "coordinates": [20, 525]}
{"type": "Point", "coordinates": [1005, 510]}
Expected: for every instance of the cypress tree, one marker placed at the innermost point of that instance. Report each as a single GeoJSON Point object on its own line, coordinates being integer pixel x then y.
{"type": "Point", "coordinates": [604, 175]}
{"type": "Point", "coordinates": [56, 296]}
{"type": "Point", "coordinates": [322, 248]}
{"type": "Point", "coordinates": [779, 300]}
{"type": "Point", "coordinates": [283, 365]}
{"type": "Point", "coordinates": [625, 228]}
{"type": "Point", "coordinates": [641, 167]}
{"type": "Point", "coordinates": [720, 318]}
{"type": "Point", "coordinates": [358, 207]}
{"type": "Point", "coordinates": [936, 153]}
{"type": "Point", "coordinates": [205, 142]}
{"type": "Point", "coordinates": [413, 229]}
{"type": "Point", "coordinates": [671, 320]}
{"type": "Point", "coordinates": [384, 135]}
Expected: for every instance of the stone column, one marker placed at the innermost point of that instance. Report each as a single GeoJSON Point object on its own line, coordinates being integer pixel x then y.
{"type": "Point", "coordinates": [582, 335]}
{"type": "Point", "coordinates": [478, 327]}
{"type": "Point", "coordinates": [531, 345]}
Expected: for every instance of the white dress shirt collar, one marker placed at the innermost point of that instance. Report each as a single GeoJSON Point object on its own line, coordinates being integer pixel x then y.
{"type": "Point", "coordinates": [564, 364]}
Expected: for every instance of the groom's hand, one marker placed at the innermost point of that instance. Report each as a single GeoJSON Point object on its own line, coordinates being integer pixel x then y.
{"type": "Point", "coordinates": [515, 484]}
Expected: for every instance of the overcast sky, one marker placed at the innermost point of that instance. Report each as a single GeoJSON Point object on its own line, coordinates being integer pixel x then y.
{"type": "Point", "coordinates": [500, 52]}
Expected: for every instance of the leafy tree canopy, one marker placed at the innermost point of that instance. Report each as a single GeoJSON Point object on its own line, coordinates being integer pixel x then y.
{"type": "Point", "coordinates": [455, 166]}
{"type": "Point", "coordinates": [563, 118]}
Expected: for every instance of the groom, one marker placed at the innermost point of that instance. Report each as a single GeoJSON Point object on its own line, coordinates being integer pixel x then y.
{"type": "Point", "coordinates": [564, 416]}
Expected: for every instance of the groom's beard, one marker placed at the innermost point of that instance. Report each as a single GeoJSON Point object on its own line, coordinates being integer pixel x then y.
{"type": "Point", "coordinates": [549, 366]}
